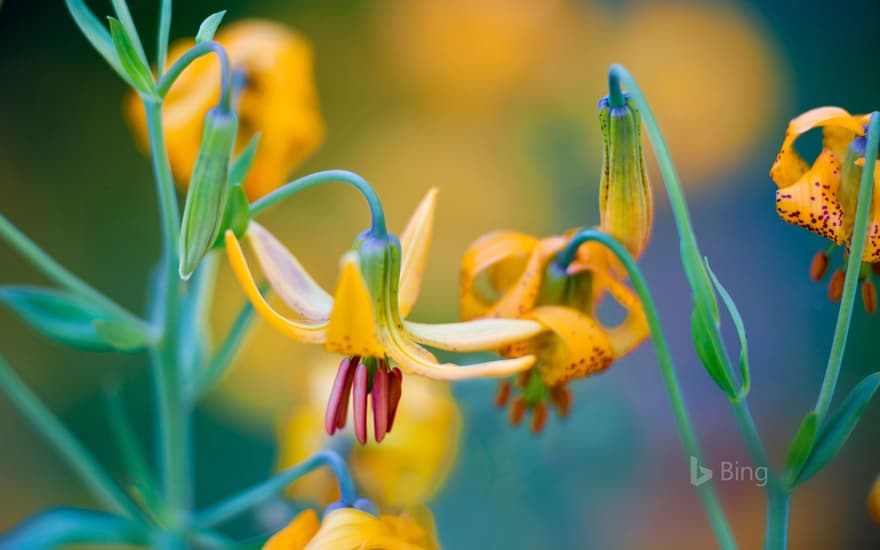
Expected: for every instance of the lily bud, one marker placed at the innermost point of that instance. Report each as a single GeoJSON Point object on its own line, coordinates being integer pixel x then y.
{"type": "Point", "coordinates": [625, 205]}
{"type": "Point", "coordinates": [206, 197]}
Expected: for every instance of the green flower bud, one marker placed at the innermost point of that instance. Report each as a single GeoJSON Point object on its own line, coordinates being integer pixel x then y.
{"type": "Point", "coordinates": [206, 197]}
{"type": "Point", "coordinates": [625, 205]}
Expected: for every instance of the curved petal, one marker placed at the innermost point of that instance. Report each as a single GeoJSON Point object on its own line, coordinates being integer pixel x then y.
{"type": "Point", "coordinates": [522, 296]}
{"type": "Point", "coordinates": [297, 534]}
{"type": "Point", "coordinates": [824, 116]}
{"type": "Point", "coordinates": [578, 345]}
{"type": "Point", "coordinates": [312, 331]}
{"type": "Point", "coordinates": [634, 329]}
{"type": "Point", "coordinates": [287, 276]}
{"type": "Point", "coordinates": [489, 250]}
{"type": "Point", "coordinates": [414, 243]}
{"type": "Point", "coordinates": [352, 326]}
{"type": "Point", "coordinates": [812, 201]}
{"type": "Point", "coordinates": [478, 335]}
{"type": "Point", "coordinates": [414, 359]}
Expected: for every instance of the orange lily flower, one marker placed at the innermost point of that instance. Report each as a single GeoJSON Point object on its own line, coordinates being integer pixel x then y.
{"type": "Point", "coordinates": [522, 280]}
{"type": "Point", "coordinates": [365, 319]}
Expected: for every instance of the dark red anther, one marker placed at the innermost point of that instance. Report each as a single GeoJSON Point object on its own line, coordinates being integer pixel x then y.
{"type": "Point", "coordinates": [869, 296]}
{"type": "Point", "coordinates": [360, 390]}
{"type": "Point", "coordinates": [395, 389]}
{"type": "Point", "coordinates": [875, 268]}
{"type": "Point", "coordinates": [503, 394]}
{"type": "Point", "coordinates": [539, 417]}
{"type": "Point", "coordinates": [380, 402]}
{"type": "Point", "coordinates": [517, 410]}
{"type": "Point", "coordinates": [561, 398]}
{"type": "Point", "coordinates": [835, 287]}
{"type": "Point", "coordinates": [819, 266]}
{"type": "Point", "coordinates": [337, 405]}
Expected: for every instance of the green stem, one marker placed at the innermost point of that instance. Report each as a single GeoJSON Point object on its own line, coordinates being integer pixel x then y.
{"type": "Point", "coordinates": [67, 526]}
{"type": "Point", "coordinates": [712, 505]}
{"type": "Point", "coordinates": [61, 275]}
{"type": "Point", "coordinates": [344, 176]}
{"type": "Point", "coordinates": [778, 500]}
{"type": "Point", "coordinates": [206, 378]}
{"type": "Point", "coordinates": [169, 210]}
{"type": "Point", "coordinates": [191, 55]}
{"type": "Point", "coordinates": [857, 246]}
{"type": "Point", "coordinates": [241, 502]}
{"type": "Point", "coordinates": [85, 465]}
{"type": "Point", "coordinates": [162, 40]}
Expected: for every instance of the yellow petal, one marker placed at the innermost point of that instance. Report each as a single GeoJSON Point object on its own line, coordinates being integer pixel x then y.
{"type": "Point", "coordinates": [634, 329]}
{"type": "Point", "coordinates": [297, 534]}
{"type": "Point", "coordinates": [413, 359]}
{"type": "Point", "coordinates": [483, 254]}
{"type": "Point", "coordinates": [478, 335]}
{"type": "Point", "coordinates": [288, 277]}
{"type": "Point", "coordinates": [578, 345]}
{"type": "Point", "coordinates": [812, 201]}
{"type": "Point", "coordinates": [312, 331]}
{"type": "Point", "coordinates": [522, 296]}
{"type": "Point", "coordinates": [415, 242]}
{"type": "Point", "coordinates": [825, 116]}
{"type": "Point", "coordinates": [352, 326]}
{"type": "Point", "coordinates": [345, 529]}
{"type": "Point", "coordinates": [788, 166]}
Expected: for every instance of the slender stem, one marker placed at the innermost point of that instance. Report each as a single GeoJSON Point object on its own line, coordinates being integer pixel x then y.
{"type": "Point", "coordinates": [61, 275]}
{"type": "Point", "coordinates": [857, 246]}
{"type": "Point", "coordinates": [712, 505]}
{"type": "Point", "coordinates": [241, 502]}
{"type": "Point", "coordinates": [615, 94]}
{"type": "Point", "coordinates": [164, 31]}
{"type": "Point", "coordinates": [58, 527]}
{"type": "Point", "coordinates": [168, 207]}
{"type": "Point", "coordinates": [778, 500]}
{"type": "Point", "coordinates": [191, 55]}
{"type": "Point", "coordinates": [344, 176]}
{"type": "Point", "coordinates": [85, 465]}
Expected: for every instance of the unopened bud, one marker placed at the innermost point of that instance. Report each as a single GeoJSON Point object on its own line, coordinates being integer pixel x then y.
{"type": "Point", "coordinates": [819, 266]}
{"type": "Point", "coordinates": [517, 411]}
{"type": "Point", "coordinates": [206, 196]}
{"type": "Point", "coordinates": [625, 205]}
{"type": "Point", "coordinates": [869, 296]}
{"type": "Point", "coordinates": [835, 287]}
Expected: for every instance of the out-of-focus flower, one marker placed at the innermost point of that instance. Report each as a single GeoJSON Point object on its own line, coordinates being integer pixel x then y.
{"type": "Point", "coordinates": [365, 319]}
{"type": "Point", "coordinates": [874, 502]}
{"type": "Point", "coordinates": [351, 529]}
{"type": "Point", "coordinates": [822, 196]}
{"type": "Point", "coordinates": [277, 98]}
{"type": "Point", "coordinates": [522, 280]}
{"type": "Point", "coordinates": [409, 466]}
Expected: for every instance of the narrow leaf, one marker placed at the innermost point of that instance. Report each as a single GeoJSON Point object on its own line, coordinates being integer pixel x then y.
{"type": "Point", "coordinates": [209, 27]}
{"type": "Point", "coordinates": [242, 164]}
{"type": "Point", "coordinates": [120, 7]}
{"type": "Point", "coordinates": [121, 336]}
{"type": "Point", "coordinates": [708, 347]}
{"type": "Point", "coordinates": [837, 430]}
{"type": "Point", "coordinates": [96, 33]}
{"type": "Point", "coordinates": [236, 217]}
{"type": "Point", "coordinates": [137, 71]}
{"type": "Point", "coordinates": [740, 331]}
{"type": "Point", "coordinates": [800, 447]}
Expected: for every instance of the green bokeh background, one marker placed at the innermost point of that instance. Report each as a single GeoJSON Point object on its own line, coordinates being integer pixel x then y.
{"type": "Point", "coordinates": [613, 475]}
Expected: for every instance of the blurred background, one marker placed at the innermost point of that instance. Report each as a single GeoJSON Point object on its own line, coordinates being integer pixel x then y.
{"type": "Point", "coordinates": [494, 102]}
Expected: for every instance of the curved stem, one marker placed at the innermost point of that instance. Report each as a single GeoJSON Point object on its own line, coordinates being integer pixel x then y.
{"type": "Point", "coordinates": [191, 55]}
{"type": "Point", "coordinates": [85, 465]}
{"type": "Point", "coordinates": [712, 505]}
{"type": "Point", "coordinates": [378, 216]}
{"type": "Point", "coordinates": [64, 526]}
{"type": "Point", "coordinates": [237, 504]}
{"type": "Point", "coordinates": [857, 246]}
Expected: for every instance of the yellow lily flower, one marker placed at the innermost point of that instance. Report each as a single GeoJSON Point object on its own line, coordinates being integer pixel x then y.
{"type": "Point", "coordinates": [273, 66]}
{"type": "Point", "coordinates": [352, 529]}
{"type": "Point", "coordinates": [407, 469]}
{"type": "Point", "coordinates": [523, 281]}
{"type": "Point", "coordinates": [365, 319]}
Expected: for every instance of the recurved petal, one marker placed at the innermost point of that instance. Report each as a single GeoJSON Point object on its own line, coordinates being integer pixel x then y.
{"type": "Point", "coordinates": [521, 297]}
{"type": "Point", "coordinates": [825, 116]}
{"type": "Point", "coordinates": [812, 201]}
{"type": "Point", "coordinates": [415, 241]}
{"type": "Point", "coordinates": [478, 335]}
{"type": "Point", "coordinates": [414, 359]}
{"type": "Point", "coordinates": [352, 326]}
{"type": "Point", "coordinates": [297, 534]}
{"type": "Point", "coordinates": [288, 277]}
{"type": "Point", "coordinates": [634, 328]}
{"type": "Point", "coordinates": [789, 166]}
{"type": "Point", "coordinates": [487, 251]}
{"type": "Point", "coordinates": [578, 346]}
{"type": "Point", "coordinates": [311, 331]}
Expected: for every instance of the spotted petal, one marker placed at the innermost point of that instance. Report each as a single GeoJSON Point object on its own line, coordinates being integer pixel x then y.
{"type": "Point", "coordinates": [288, 277]}
{"type": "Point", "coordinates": [310, 331]}
{"type": "Point", "coordinates": [577, 346]}
{"type": "Point", "coordinates": [812, 201]}
{"type": "Point", "coordinates": [481, 334]}
{"type": "Point", "coordinates": [352, 326]}
{"type": "Point", "coordinates": [486, 252]}
{"type": "Point", "coordinates": [634, 328]}
{"type": "Point", "coordinates": [415, 242]}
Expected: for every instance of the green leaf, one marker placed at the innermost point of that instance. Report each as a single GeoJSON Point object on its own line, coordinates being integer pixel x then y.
{"type": "Point", "coordinates": [745, 375]}
{"type": "Point", "coordinates": [209, 27]}
{"type": "Point", "coordinates": [800, 447]}
{"type": "Point", "coordinates": [96, 33]}
{"type": "Point", "coordinates": [139, 74]}
{"type": "Point", "coordinates": [708, 347]}
{"type": "Point", "coordinates": [236, 217]}
{"type": "Point", "coordinates": [242, 164]}
{"type": "Point", "coordinates": [69, 319]}
{"type": "Point", "coordinates": [839, 426]}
